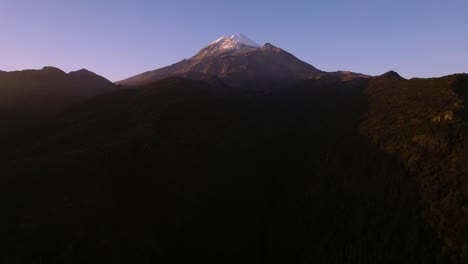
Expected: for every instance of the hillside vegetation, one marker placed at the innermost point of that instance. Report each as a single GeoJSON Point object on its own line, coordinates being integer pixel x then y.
{"type": "Point", "coordinates": [423, 122]}
{"type": "Point", "coordinates": [323, 171]}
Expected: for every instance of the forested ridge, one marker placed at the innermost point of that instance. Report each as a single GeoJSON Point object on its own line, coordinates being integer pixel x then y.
{"type": "Point", "coordinates": [321, 171]}
{"type": "Point", "coordinates": [423, 122]}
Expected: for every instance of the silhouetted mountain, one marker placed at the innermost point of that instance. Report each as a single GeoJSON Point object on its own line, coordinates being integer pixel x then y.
{"type": "Point", "coordinates": [31, 94]}
{"type": "Point", "coordinates": [324, 171]}
{"type": "Point", "coordinates": [391, 74]}
{"type": "Point", "coordinates": [239, 62]}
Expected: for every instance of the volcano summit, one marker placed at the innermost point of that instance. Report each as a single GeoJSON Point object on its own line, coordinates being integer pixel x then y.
{"type": "Point", "coordinates": [238, 61]}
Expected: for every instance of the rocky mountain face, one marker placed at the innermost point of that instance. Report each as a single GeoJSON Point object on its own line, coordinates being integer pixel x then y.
{"type": "Point", "coordinates": [240, 62]}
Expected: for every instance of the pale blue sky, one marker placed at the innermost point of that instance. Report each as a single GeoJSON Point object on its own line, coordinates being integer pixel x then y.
{"type": "Point", "coordinates": [118, 39]}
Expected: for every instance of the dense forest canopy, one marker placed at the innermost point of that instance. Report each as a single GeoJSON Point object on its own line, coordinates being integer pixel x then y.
{"type": "Point", "coordinates": [323, 171]}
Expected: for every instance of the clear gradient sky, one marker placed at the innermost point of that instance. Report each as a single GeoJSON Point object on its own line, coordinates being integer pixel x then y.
{"type": "Point", "coordinates": [118, 39]}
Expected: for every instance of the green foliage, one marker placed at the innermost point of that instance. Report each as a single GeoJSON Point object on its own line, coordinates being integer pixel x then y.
{"type": "Point", "coordinates": [422, 121]}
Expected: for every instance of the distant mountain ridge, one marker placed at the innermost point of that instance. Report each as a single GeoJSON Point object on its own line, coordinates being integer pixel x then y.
{"type": "Point", "coordinates": [238, 61]}
{"type": "Point", "coordinates": [29, 94]}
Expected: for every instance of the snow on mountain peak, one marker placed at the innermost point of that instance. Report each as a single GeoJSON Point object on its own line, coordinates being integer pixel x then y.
{"type": "Point", "coordinates": [232, 42]}
{"type": "Point", "coordinates": [241, 39]}
{"type": "Point", "coordinates": [237, 43]}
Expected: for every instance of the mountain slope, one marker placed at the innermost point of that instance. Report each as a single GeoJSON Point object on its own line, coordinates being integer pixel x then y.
{"type": "Point", "coordinates": [30, 94]}
{"type": "Point", "coordinates": [238, 61]}
{"type": "Point", "coordinates": [182, 170]}
{"type": "Point", "coordinates": [423, 122]}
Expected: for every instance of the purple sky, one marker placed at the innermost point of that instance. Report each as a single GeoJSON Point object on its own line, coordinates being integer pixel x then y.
{"type": "Point", "coordinates": [118, 39]}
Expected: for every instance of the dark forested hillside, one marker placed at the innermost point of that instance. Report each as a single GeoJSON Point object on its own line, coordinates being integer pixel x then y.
{"type": "Point", "coordinates": [30, 95]}
{"type": "Point", "coordinates": [324, 171]}
{"type": "Point", "coordinates": [423, 123]}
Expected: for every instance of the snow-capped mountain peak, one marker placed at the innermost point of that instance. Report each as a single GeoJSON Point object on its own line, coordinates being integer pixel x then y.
{"type": "Point", "coordinates": [235, 42]}
{"type": "Point", "coordinates": [237, 61]}
{"type": "Point", "coordinates": [236, 39]}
